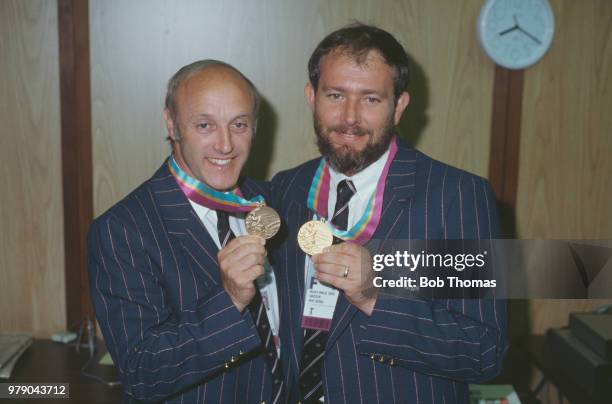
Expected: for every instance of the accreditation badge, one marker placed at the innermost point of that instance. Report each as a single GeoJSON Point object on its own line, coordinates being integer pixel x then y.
{"type": "Point", "coordinates": [319, 305]}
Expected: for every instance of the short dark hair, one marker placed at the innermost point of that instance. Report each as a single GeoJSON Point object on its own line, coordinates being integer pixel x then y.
{"type": "Point", "coordinates": [357, 40]}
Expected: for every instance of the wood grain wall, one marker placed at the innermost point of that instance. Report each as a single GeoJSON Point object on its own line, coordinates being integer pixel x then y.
{"type": "Point", "coordinates": [565, 176]}
{"type": "Point", "coordinates": [31, 241]}
{"type": "Point", "coordinates": [136, 46]}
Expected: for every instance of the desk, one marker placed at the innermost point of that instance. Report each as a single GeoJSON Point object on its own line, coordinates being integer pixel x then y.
{"type": "Point", "coordinates": [48, 361]}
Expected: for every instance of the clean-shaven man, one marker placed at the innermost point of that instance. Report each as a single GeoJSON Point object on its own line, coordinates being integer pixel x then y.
{"type": "Point", "coordinates": [171, 268]}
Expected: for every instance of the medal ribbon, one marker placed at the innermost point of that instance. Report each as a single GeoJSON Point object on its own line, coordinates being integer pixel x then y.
{"type": "Point", "coordinates": [232, 201]}
{"type": "Point", "coordinates": [363, 230]}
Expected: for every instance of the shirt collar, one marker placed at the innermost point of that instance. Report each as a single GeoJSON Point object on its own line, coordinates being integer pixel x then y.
{"type": "Point", "coordinates": [203, 212]}
{"type": "Point", "coordinates": [365, 180]}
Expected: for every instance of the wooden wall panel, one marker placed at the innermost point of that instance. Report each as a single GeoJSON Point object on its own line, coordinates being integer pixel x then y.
{"type": "Point", "coordinates": [565, 186]}
{"type": "Point", "coordinates": [459, 82]}
{"type": "Point", "coordinates": [137, 45]}
{"type": "Point", "coordinates": [31, 241]}
{"type": "Point", "coordinates": [77, 176]}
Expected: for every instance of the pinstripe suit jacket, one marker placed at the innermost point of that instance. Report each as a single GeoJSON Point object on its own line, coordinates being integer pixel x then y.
{"type": "Point", "coordinates": [437, 346]}
{"type": "Point", "coordinates": [169, 324]}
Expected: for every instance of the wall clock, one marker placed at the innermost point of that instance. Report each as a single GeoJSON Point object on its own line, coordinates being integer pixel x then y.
{"type": "Point", "coordinates": [516, 33]}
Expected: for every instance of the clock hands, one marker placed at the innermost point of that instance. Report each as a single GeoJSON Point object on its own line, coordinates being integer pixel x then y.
{"type": "Point", "coordinates": [513, 28]}
{"type": "Point", "coordinates": [507, 31]}
{"type": "Point", "coordinates": [519, 28]}
{"type": "Point", "coordinates": [536, 40]}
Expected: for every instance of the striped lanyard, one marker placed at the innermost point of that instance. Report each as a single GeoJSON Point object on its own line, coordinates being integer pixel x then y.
{"type": "Point", "coordinates": [365, 227]}
{"type": "Point", "coordinates": [231, 201]}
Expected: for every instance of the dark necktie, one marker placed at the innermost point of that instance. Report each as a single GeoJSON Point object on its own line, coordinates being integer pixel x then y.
{"type": "Point", "coordinates": [311, 384]}
{"type": "Point", "coordinates": [223, 228]}
{"type": "Point", "coordinates": [258, 312]}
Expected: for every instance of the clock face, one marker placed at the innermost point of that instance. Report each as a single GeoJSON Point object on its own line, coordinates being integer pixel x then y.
{"type": "Point", "coordinates": [516, 33]}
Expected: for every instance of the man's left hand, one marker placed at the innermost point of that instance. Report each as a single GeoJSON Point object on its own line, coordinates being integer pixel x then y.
{"type": "Point", "coordinates": [348, 267]}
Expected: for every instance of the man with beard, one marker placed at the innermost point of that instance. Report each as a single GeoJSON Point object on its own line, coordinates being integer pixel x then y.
{"type": "Point", "coordinates": [340, 341]}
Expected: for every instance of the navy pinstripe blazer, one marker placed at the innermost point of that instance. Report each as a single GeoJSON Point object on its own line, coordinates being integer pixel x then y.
{"type": "Point", "coordinates": [169, 324]}
{"type": "Point", "coordinates": [437, 346]}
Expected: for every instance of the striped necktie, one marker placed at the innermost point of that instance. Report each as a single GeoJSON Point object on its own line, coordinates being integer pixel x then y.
{"type": "Point", "coordinates": [258, 312]}
{"type": "Point", "coordinates": [311, 383]}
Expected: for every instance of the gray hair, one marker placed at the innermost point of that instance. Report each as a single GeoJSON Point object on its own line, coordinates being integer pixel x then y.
{"type": "Point", "coordinates": [189, 70]}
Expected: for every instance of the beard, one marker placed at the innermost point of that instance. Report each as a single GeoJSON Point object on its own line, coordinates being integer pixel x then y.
{"type": "Point", "coordinates": [345, 159]}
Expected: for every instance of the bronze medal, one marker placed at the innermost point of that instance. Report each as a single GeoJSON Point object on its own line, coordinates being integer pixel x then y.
{"type": "Point", "coordinates": [262, 221]}
{"type": "Point", "coordinates": [314, 236]}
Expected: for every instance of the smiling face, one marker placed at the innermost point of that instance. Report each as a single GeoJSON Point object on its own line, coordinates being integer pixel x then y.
{"type": "Point", "coordinates": [354, 109]}
{"type": "Point", "coordinates": [213, 126]}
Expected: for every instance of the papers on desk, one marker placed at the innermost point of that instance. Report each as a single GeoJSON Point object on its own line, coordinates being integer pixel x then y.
{"type": "Point", "coordinates": [11, 348]}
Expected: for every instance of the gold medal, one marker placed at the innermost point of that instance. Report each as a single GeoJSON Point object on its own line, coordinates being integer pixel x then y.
{"type": "Point", "coordinates": [262, 221]}
{"type": "Point", "coordinates": [314, 236]}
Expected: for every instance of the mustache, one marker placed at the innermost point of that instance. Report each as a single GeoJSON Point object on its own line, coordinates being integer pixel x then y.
{"type": "Point", "coordinates": [351, 130]}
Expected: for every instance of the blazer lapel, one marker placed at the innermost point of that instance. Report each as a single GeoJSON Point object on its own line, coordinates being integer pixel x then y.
{"type": "Point", "coordinates": [183, 225]}
{"type": "Point", "coordinates": [399, 189]}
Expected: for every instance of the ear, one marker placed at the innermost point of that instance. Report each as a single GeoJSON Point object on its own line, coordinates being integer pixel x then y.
{"type": "Point", "coordinates": [169, 124]}
{"type": "Point", "coordinates": [400, 107]}
{"type": "Point", "coordinates": [309, 93]}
